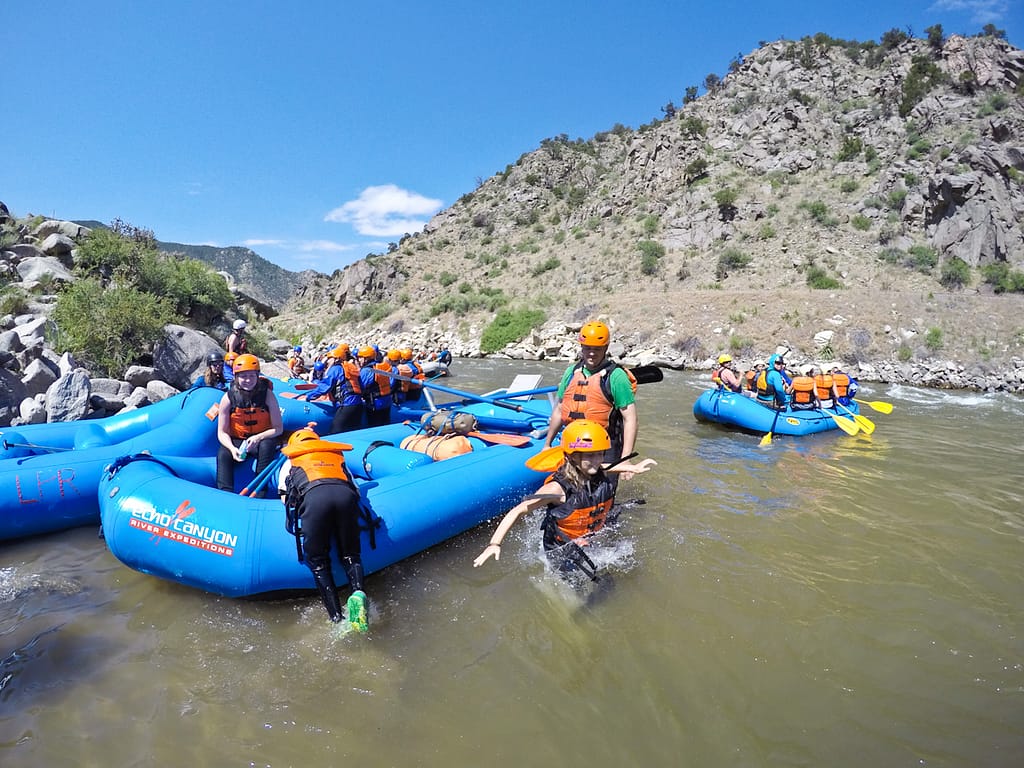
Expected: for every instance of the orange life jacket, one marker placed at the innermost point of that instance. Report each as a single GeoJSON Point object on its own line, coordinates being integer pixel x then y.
{"type": "Point", "coordinates": [823, 383]}
{"type": "Point", "coordinates": [802, 391]}
{"type": "Point", "coordinates": [249, 412]}
{"type": "Point", "coordinates": [382, 382]}
{"type": "Point", "coordinates": [841, 382]}
{"type": "Point", "coordinates": [590, 397]}
{"type": "Point", "coordinates": [297, 365]}
{"type": "Point", "coordinates": [750, 380]}
{"type": "Point", "coordinates": [411, 371]}
{"type": "Point", "coordinates": [313, 467]}
{"type": "Point", "coordinates": [584, 509]}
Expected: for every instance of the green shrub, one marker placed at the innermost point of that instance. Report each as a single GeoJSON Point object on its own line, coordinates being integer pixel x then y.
{"type": "Point", "coordinates": [695, 170]}
{"type": "Point", "coordinates": [933, 339]}
{"type": "Point", "coordinates": [1002, 278]}
{"type": "Point", "coordinates": [848, 185]}
{"type": "Point", "coordinates": [818, 211]}
{"type": "Point", "coordinates": [725, 198]}
{"type": "Point", "coordinates": [860, 222]}
{"type": "Point", "coordinates": [922, 258]}
{"type": "Point", "coordinates": [851, 147]}
{"type": "Point", "coordinates": [651, 253]}
{"type": "Point", "coordinates": [193, 289]}
{"type": "Point", "coordinates": [924, 75]}
{"type": "Point", "coordinates": [509, 326]}
{"type": "Point", "coordinates": [108, 328]}
{"type": "Point", "coordinates": [956, 273]}
{"type": "Point", "coordinates": [447, 278]}
{"type": "Point", "coordinates": [896, 199]}
{"type": "Point", "coordinates": [650, 225]}
{"type": "Point", "coordinates": [904, 353]}
{"type": "Point", "coordinates": [545, 266]}
{"type": "Point", "coordinates": [817, 277]}
{"type": "Point", "coordinates": [13, 301]}
{"type": "Point", "coordinates": [731, 259]}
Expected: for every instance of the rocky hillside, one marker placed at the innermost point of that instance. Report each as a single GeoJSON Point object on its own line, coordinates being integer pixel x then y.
{"type": "Point", "coordinates": [822, 185]}
{"type": "Point", "coordinates": [249, 272]}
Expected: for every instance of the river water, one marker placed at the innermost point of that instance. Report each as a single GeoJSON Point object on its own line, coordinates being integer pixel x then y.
{"type": "Point", "coordinates": [824, 601]}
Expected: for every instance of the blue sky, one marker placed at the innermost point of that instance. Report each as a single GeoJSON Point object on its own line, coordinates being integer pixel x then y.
{"type": "Point", "coordinates": [317, 132]}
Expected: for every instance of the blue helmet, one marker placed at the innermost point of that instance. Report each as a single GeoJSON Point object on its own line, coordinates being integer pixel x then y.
{"type": "Point", "coordinates": [319, 365]}
{"type": "Point", "coordinates": [297, 349]}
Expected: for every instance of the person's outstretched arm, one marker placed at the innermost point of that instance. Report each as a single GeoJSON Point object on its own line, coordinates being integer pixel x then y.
{"type": "Point", "coordinates": [549, 493]}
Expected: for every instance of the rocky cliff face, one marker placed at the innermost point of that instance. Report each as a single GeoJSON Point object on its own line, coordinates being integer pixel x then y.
{"type": "Point", "coordinates": [861, 169]}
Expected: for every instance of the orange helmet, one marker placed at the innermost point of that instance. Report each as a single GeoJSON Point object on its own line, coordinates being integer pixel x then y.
{"type": "Point", "coordinates": [246, 363]}
{"type": "Point", "coordinates": [305, 440]}
{"type": "Point", "coordinates": [394, 355]}
{"type": "Point", "coordinates": [301, 435]}
{"type": "Point", "coordinates": [595, 334]}
{"type": "Point", "coordinates": [406, 354]}
{"type": "Point", "coordinates": [339, 352]}
{"type": "Point", "coordinates": [368, 352]}
{"type": "Point", "coordinates": [229, 358]}
{"type": "Point", "coordinates": [584, 435]}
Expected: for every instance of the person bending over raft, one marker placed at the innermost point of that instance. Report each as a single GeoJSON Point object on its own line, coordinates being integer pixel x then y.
{"type": "Point", "coordinates": [579, 495]}
{"type": "Point", "coordinates": [323, 505]}
{"type": "Point", "coordinates": [248, 415]}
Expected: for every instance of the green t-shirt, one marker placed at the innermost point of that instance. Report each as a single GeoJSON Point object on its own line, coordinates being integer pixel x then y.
{"type": "Point", "coordinates": [618, 383]}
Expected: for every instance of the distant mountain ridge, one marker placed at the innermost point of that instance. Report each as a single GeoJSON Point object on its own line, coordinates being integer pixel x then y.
{"type": "Point", "coordinates": [822, 185]}
{"type": "Point", "coordinates": [250, 273]}
{"type": "Point", "coordinates": [253, 275]}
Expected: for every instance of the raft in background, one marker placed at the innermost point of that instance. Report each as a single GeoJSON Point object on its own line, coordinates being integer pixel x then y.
{"type": "Point", "coordinates": [184, 530]}
{"type": "Point", "coordinates": [49, 472]}
{"type": "Point", "coordinates": [721, 406]}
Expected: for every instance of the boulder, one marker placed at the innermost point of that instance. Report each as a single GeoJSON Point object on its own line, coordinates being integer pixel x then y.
{"type": "Point", "coordinates": [38, 376]}
{"type": "Point", "coordinates": [180, 353]}
{"type": "Point", "coordinates": [67, 399]}
{"type": "Point", "coordinates": [159, 390]}
{"type": "Point", "coordinates": [12, 392]}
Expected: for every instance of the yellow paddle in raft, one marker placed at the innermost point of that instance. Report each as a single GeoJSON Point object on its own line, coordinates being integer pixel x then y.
{"type": "Point", "coordinates": [863, 421]}
{"type": "Point", "coordinates": [879, 405]}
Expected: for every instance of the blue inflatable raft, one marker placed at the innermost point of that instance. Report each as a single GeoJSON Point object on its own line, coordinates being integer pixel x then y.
{"type": "Point", "coordinates": [49, 472]}
{"type": "Point", "coordinates": [163, 517]}
{"type": "Point", "coordinates": [733, 409]}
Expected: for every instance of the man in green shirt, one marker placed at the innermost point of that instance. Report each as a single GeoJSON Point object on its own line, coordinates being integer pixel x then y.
{"type": "Point", "coordinates": [599, 389]}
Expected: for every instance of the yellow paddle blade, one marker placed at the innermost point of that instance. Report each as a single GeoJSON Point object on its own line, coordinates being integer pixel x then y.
{"type": "Point", "coordinates": [547, 460]}
{"type": "Point", "coordinates": [766, 440]}
{"type": "Point", "coordinates": [845, 424]}
{"type": "Point", "coordinates": [879, 405]}
{"type": "Point", "coordinates": [865, 423]}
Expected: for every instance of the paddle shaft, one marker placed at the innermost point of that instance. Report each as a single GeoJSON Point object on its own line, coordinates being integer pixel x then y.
{"type": "Point", "coordinates": [767, 439]}
{"type": "Point", "coordinates": [261, 479]}
{"type": "Point", "coordinates": [470, 396]}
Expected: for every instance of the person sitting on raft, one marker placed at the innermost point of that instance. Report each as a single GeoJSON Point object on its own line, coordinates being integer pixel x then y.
{"type": "Point", "coordinates": [803, 395]}
{"type": "Point", "coordinates": [825, 387]}
{"type": "Point", "coordinates": [845, 385]}
{"type": "Point", "coordinates": [213, 376]}
{"type": "Point", "coordinates": [248, 416]}
{"type": "Point", "coordinates": [323, 506]}
{"type": "Point", "coordinates": [579, 495]}
{"type": "Point", "coordinates": [726, 376]}
{"type": "Point", "coordinates": [771, 386]}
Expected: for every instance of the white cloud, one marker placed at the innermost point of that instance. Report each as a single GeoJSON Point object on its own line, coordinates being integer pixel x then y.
{"type": "Point", "coordinates": [982, 11]}
{"type": "Point", "coordinates": [386, 211]}
{"type": "Point", "coordinates": [255, 242]}
{"type": "Point", "coordinates": [313, 246]}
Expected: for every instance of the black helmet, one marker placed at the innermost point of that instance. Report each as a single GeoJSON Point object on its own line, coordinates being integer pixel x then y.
{"type": "Point", "coordinates": [214, 357]}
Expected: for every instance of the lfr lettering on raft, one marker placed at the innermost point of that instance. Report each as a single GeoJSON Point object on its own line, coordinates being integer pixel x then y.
{"type": "Point", "coordinates": [62, 478]}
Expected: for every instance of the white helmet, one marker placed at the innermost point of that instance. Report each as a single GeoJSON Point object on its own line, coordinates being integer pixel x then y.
{"type": "Point", "coordinates": [239, 325]}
